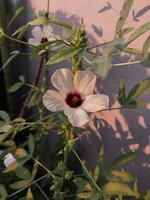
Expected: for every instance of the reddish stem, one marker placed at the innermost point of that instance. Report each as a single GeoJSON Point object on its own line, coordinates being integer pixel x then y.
{"type": "Point", "coordinates": [34, 83]}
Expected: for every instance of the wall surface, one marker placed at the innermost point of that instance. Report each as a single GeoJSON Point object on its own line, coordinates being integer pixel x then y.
{"type": "Point", "coordinates": [120, 130]}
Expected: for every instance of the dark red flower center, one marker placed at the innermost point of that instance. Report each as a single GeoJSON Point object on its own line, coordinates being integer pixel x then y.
{"type": "Point", "coordinates": [74, 100]}
{"type": "Point", "coordinates": [43, 40]}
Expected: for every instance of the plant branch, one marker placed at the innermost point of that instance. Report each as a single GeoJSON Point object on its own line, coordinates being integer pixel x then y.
{"type": "Point", "coordinates": [127, 63]}
{"type": "Point", "coordinates": [34, 83]}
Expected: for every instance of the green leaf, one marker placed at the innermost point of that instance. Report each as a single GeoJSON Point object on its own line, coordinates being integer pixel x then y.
{"type": "Point", "coordinates": [5, 117]}
{"type": "Point", "coordinates": [134, 104]}
{"type": "Point", "coordinates": [43, 46]}
{"type": "Point", "coordinates": [119, 176]}
{"type": "Point", "coordinates": [133, 51]}
{"type": "Point", "coordinates": [136, 190]}
{"type": "Point", "coordinates": [80, 184]}
{"type": "Point", "coordinates": [14, 54]}
{"type": "Point", "coordinates": [122, 92]}
{"type": "Point", "coordinates": [3, 192]}
{"type": "Point", "coordinates": [17, 13]}
{"type": "Point", "coordinates": [20, 184]}
{"type": "Point", "coordinates": [139, 31]}
{"type": "Point", "coordinates": [113, 188]}
{"type": "Point", "coordinates": [38, 21]}
{"type": "Point", "coordinates": [139, 89]}
{"type": "Point", "coordinates": [85, 194]}
{"type": "Point", "coordinates": [29, 195]}
{"type": "Point", "coordinates": [20, 31]}
{"type": "Point", "coordinates": [15, 87]}
{"type": "Point", "coordinates": [6, 130]}
{"type": "Point", "coordinates": [123, 160]}
{"type": "Point", "coordinates": [65, 54]}
{"type": "Point", "coordinates": [146, 47]}
{"type": "Point", "coordinates": [31, 144]}
{"type": "Point", "coordinates": [23, 173]}
{"type": "Point", "coordinates": [22, 79]}
{"type": "Point", "coordinates": [146, 63]}
{"type": "Point", "coordinates": [56, 22]}
{"type": "Point", "coordinates": [124, 14]}
{"type": "Point", "coordinates": [147, 195]}
{"type": "Point", "coordinates": [102, 64]}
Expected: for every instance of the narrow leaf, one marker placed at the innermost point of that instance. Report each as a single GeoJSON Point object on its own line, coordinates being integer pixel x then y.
{"type": "Point", "coordinates": [3, 192]}
{"type": "Point", "coordinates": [17, 13]}
{"type": "Point", "coordinates": [19, 184]}
{"type": "Point", "coordinates": [4, 116]}
{"type": "Point", "coordinates": [146, 47]}
{"type": "Point", "coordinates": [31, 144]}
{"type": "Point", "coordinates": [13, 56]}
{"type": "Point", "coordinates": [114, 188]}
{"type": "Point", "coordinates": [139, 89]}
{"type": "Point", "coordinates": [29, 195]}
{"type": "Point", "coordinates": [122, 92]}
{"type": "Point", "coordinates": [64, 54]}
{"type": "Point", "coordinates": [23, 173]}
{"type": "Point", "coordinates": [124, 14]}
{"type": "Point", "coordinates": [15, 87]}
{"type": "Point", "coordinates": [139, 31]}
{"type": "Point", "coordinates": [124, 159]}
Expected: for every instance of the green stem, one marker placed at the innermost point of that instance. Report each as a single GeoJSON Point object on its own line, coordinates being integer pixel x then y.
{"type": "Point", "coordinates": [127, 63]}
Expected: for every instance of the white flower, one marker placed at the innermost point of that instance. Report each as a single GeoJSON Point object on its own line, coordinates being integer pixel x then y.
{"type": "Point", "coordinates": [9, 159]}
{"type": "Point", "coordinates": [74, 96]}
{"type": "Point", "coordinates": [41, 35]}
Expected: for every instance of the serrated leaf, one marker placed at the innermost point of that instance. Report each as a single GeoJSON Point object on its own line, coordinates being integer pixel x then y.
{"type": "Point", "coordinates": [139, 89]}
{"type": "Point", "coordinates": [15, 87]}
{"type": "Point", "coordinates": [19, 184]}
{"type": "Point", "coordinates": [119, 176]}
{"type": "Point", "coordinates": [139, 31]}
{"type": "Point", "coordinates": [122, 92]}
{"type": "Point", "coordinates": [3, 192]}
{"type": "Point", "coordinates": [146, 47]}
{"type": "Point", "coordinates": [124, 14]}
{"type": "Point", "coordinates": [12, 57]}
{"type": "Point", "coordinates": [31, 144]}
{"type": "Point", "coordinates": [29, 195]}
{"type": "Point", "coordinates": [23, 173]}
{"type": "Point", "coordinates": [17, 13]}
{"type": "Point", "coordinates": [113, 188]}
{"type": "Point", "coordinates": [123, 160]}
{"type": "Point", "coordinates": [64, 54]}
{"type": "Point", "coordinates": [4, 116]}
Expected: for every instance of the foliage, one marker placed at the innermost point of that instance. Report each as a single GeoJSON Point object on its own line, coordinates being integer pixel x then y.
{"type": "Point", "coordinates": [29, 177]}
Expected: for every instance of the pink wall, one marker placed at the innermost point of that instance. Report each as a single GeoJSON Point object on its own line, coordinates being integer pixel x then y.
{"type": "Point", "coordinates": [120, 130]}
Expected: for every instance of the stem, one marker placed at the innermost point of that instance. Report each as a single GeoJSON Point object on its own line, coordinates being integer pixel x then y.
{"type": "Point", "coordinates": [33, 182]}
{"type": "Point", "coordinates": [42, 191]}
{"type": "Point", "coordinates": [48, 4]}
{"type": "Point", "coordinates": [98, 45]}
{"type": "Point", "coordinates": [127, 63]}
{"type": "Point", "coordinates": [35, 82]}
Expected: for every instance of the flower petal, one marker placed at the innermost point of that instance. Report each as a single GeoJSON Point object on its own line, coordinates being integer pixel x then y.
{"type": "Point", "coordinates": [85, 81]}
{"type": "Point", "coordinates": [77, 116]}
{"type": "Point", "coordinates": [34, 42]}
{"type": "Point", "coordinates": [47, 30]}
{"type": "Point", "coordinates": [95, 102]}
{"type": "Point", "coordinates": [62, 80]}
{"type": "Point", "coordinates": [37, 33]}
{"type": "Point", "coordinates": [53, 101]}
